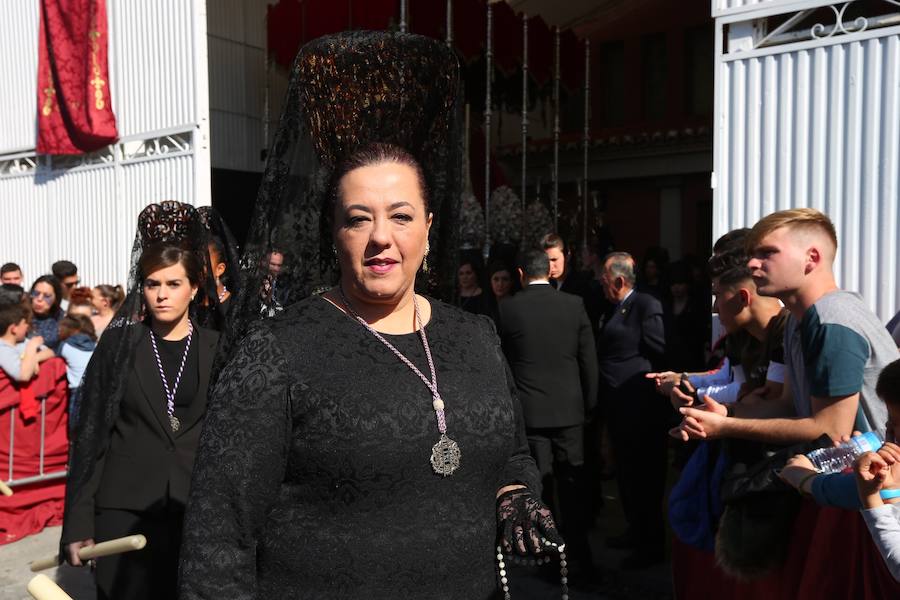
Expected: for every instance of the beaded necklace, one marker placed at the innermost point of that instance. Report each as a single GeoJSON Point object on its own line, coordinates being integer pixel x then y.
{"type": "Point", "coordinates": [170, 393]}
{"type": "Point", "coordinates": [504, 574]}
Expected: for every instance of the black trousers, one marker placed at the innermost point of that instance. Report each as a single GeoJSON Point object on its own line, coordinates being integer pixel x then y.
{"type": "Point", "coordinates": [637, 419]}
{"type": "Point", "coordinates": [559, 454]}
{"type": "Point", "coordinates": [150, 573]}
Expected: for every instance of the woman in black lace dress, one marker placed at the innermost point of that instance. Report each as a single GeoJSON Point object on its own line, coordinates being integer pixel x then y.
{"type": "Point", "coordinates": [366, 442]}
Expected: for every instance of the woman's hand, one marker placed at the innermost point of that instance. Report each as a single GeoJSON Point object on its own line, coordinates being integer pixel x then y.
{"type": "Point", "coordinates": [799, 472]}
{"type": "Point", "coordinates": [524, 523]}
{"type": "Point", "coordinates": [72, 551]}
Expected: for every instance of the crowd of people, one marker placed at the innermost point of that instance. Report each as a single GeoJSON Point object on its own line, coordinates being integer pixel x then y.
{"type": "Point", "coordinates": [297, 416]}
{"type": "Point", "coordinates": [56, 317]}
{"type": "Point", "coordinates": [799, 359]}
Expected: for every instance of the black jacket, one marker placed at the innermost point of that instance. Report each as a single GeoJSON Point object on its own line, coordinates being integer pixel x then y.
{"type": "Point", "coordinates": [146, 466]}
{"type": "Point", "coordinates": [549, 345]}
{"type": "Point", "coordinates": [631, 340]}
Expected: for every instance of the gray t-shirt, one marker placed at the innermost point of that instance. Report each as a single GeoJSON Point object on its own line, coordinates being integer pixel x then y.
{"type": "Point", "coordinates": [839, 348]}
{"type": "Point", "coordinates": [11, 359]}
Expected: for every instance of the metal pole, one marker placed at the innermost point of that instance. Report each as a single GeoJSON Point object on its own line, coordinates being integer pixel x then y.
{"type": "Point", "coordinates": [12, 439]}
{"type": "Point", "coordinates": [43, 434]}
{"type": "Point", "coordinates": [524, 109]}
{"type": "Point", "coordinates": [556, 136]}
{"type": "Point", "coordinates": [402, 16]}
{"type": "Point", "coordinates": [487, 131]}
{"type": "Point", "coordinates": [587, 133]}
{"type": "Point", "coordinates": [449, 23]}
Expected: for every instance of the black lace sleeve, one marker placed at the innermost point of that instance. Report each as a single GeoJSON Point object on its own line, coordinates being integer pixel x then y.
{"type": "Point", "coordinates": [240, 465]}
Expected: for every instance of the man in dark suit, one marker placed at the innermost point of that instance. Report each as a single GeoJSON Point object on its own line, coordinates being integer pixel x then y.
{"type": "Point", "coordinates": [548, 342]}
{"type": "Point", "coordinates": [631, 339]}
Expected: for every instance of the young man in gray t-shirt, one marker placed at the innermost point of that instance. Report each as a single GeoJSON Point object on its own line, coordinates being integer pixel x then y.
{"type": "Point", "coordinates": [834, 346]}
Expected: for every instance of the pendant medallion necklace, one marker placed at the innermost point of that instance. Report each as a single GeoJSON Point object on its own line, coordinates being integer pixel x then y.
{"type": "Point", "coordinates": [174, 423]}
{"type": "Point", "coordinates": [445, 454]}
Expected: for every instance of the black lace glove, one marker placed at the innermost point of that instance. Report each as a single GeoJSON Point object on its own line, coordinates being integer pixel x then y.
{"type": "Point", "coordinates": [525, 524]}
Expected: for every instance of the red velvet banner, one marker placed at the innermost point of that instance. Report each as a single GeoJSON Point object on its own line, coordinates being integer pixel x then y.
{"type": "Point", "coordinates": [74, 109]}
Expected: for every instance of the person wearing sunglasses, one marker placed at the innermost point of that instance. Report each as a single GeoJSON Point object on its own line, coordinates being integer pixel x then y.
{"type": "Point", "coordinates": [46, 295]}
{"type": "Point", "coordinates": [67, 274]}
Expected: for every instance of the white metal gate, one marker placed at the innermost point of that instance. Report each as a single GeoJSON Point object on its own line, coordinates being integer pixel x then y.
{"type": "Point", "coordinates": [807, 113]}
{"type": "Point", "coordinates": [85, 208]}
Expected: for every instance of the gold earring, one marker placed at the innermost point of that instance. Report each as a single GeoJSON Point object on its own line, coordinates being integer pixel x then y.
{"type": "Point", "coordinates": [425, 260]}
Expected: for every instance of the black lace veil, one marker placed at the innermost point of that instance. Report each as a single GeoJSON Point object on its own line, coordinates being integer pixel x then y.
{"type": "Point", "coordinates": [348, 90]}
{"type": "Point", "coordinates": [104, 379]}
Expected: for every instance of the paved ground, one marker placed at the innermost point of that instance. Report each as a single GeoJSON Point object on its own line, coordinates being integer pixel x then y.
{"type": "Point", "coordinates": [15, 575]}
{"type": "Point", "coordinates": [527, 583]}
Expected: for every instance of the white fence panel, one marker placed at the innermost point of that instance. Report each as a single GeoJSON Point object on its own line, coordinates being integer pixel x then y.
{"type": "Point", "coordinates": [18, 64]}
{"type": "Point", "coordinates": [816, 123]}
{"type": "Point", "coordinates": [86, 215]}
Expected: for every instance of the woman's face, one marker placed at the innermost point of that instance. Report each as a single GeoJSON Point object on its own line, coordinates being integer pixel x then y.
{"type": "Point", "coordinates": [651, 271]}
{"type": "Point", "coordinates": [466, 276]}
{"type": "Point", "coordinates": [98, 301]}
{"type": "Point", "coordinates": [42, 298]}
{"type": "Point", "coordinates": [501, 283]}
{"type": "Point", "coordinates": [168, 293]}
{"type": "Point", "coordinates": [381, 230]}
{"type": "Point", "coordinates": [215, 259]}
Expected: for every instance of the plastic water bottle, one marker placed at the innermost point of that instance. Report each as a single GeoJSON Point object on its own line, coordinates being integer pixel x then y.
{"type": "Point", "coordinates": [838, 458]}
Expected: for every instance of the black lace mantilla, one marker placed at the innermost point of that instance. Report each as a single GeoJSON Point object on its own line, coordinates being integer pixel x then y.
{"type": "Point", "coordinates": [104, 379]}
{"type": "Point", "coordinates": [313, 477]}
{"type": "Point", "coordinates": [348, 90]}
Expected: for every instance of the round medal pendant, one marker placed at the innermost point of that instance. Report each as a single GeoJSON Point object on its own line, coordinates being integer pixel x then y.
{"type": "Point", "coordinates": [445, 456]}
{"type": "Point", "coordinates": [174, 422]}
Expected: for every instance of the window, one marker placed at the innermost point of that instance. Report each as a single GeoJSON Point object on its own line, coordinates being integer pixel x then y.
{"type": "Point", "coordinates": [654, 74]}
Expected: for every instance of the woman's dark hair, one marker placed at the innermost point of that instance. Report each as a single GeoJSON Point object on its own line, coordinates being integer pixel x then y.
{"type": "Point", "coordinates": [888, 386]}
{"type": "Point", "coordinates": [374, 154]}
{"type": "Point", "coordinates": [160, 256]}
{"type": "Point", "coordinates": [72, 324]}
{"type": "Point", "coordinates": [553, 240]}
{"type": "Point", "coordinates": [114, 293]}
{"type": "Point", "coordinates": [57, 291]}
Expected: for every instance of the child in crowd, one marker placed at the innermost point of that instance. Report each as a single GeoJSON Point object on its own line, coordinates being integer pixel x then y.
{"type": "Point", "coordinates": [878, 477]}
{"type": "Point", "coordinates": [19, 359]}
{"type": "Point", "coordinates": [77, 343]}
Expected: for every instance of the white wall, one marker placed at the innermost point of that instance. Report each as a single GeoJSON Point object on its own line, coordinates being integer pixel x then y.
{"type": "Point", "coordinates": [237, 84]}
{"type": "Point", "coordinates": [816, 123]}
{"type": "Point", "coordinates": [84, 209]}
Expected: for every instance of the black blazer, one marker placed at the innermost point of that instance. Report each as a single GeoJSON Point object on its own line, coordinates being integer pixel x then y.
{"type": "Point", "coordinates": [631, 339]}
{"type": "Point", "coordinates": [549, 345]}
{"type": "Point", "coordinates": [146, 466]}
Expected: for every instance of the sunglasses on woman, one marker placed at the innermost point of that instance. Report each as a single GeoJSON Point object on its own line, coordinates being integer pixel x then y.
{"type": "Point", "coordinates": [48, 298]}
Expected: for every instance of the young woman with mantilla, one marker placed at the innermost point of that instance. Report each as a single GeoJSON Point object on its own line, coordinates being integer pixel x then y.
{"type": "Point", "coordinates": [367, 442]}
{"type": "Point", "coordinates": [139, 447]}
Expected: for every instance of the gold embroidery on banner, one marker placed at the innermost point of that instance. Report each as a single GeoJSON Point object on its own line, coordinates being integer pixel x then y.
{"type": "Point", "coordinates": [97, 82]}
{"type": "Point", "coordinates": [49, 93]}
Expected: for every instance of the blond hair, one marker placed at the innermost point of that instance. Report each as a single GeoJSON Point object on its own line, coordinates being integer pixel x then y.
{"type": "Point", "coordinates": [795, 219]}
